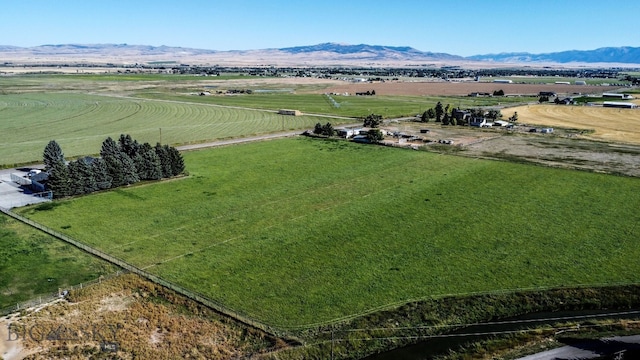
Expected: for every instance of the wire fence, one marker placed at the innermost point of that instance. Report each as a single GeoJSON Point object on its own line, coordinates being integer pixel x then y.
{"type": "Point", "coordinates": [199, 298]}
{"type": "Point", "coordinates": [47, 298]}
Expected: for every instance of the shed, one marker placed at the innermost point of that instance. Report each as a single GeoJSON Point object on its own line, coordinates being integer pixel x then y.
{"type": "Point", "coordinates": [289, 112]}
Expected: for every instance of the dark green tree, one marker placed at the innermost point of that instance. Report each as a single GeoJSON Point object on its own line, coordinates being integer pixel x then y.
{"type": "Point", "coordinates": [75, 179]}
{"type": "Point", "coordinates": [165, 161]}
{"type": "Point", "coordinates": [445, 119]}
{"type": "Point", "coordinates": [52, 155]}
{"type": "Point", "coordinates": [328, 130]}
{"type": "Point", "coordinates": [110, 153]}
{"type": "Point", "coordinates": [129, 171]}
{"type": "Point", "coordinates": [375, 135]}
{"type": "Point", "coordinates": [100, 174]}
{"type": "Point", "coordinates": [58, 181]}
{"type": "Point", "coordinates": [176, 160]}
{"type": "Point", "coordinates": [148, 163]}
{"type": "Point", "coordinates": [317, 129]}
{"type": "Point", "coordinates": [494, 114]}
{"type": "Point", "coordinates": [439, 111]}
{"type": "Point", "coordinates": [431, 113]}
{"type": "Point", "coordinates": [128, 146]}
{"type": "Point", "coordinates": [372, 121]}
{"type": "Point", "coordinates": [424, 117]}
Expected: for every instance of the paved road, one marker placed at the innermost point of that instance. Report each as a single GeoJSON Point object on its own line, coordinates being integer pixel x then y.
{"type": "Point", "coordinates": [591, 349]}
{"type": "Point", "coordinates": [237, 140]}
{"type": "Point", "coordinates": [12, 195]}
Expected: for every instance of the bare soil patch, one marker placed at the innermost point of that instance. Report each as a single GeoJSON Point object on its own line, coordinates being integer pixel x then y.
{"type": "Point", "coordinates": [563, 148]}
{"type": "Point", "coordinates": [140, 319]}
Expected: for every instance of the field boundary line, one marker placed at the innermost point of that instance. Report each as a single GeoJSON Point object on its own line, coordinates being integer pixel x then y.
{"type": "Point", "coordinates": [44, 299]}
{"type": "Point", "coordinates": [199, 298]}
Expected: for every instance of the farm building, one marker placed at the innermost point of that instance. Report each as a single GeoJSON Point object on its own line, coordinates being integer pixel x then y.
{"type": "Point", "coordinates": [618, 96]}
{"type": "Point", "coordinates": [619, 105]}
{"type": "Point", "coordinates": [562, 83]}
{"type": "Point", "coordinates": [347, 132]}
{"type": "Point", "coordinates": [546, 130]}
{"type": "Point", "coordinates": [500, 123]}
{"type": "Point", "coordinates": [460, 115]}
{"type": "Point", "coordinates": [478, 121]}
{"type": "Point", "coordinates": [502, 81]}
{"type": "Point", "coordinates": [289, 112]}
{"type": "Point", "coordinates": [581, 82]}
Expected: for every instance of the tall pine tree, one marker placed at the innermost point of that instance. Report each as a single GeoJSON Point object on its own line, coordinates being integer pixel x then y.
{"type": "Point", "coordinates": [52, 155]}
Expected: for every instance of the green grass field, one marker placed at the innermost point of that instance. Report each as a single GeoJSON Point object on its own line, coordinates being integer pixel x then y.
{"type": "Point", "coordinates": [33, 264]}
{"type": "Point", "coordinates": [353, 106]}
{"type": "Point", "coordinates": [80, 123]}
{"type": "Point", "coordinates": [299, 231]}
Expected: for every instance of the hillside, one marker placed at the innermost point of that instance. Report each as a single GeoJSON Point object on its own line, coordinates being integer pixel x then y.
{"type": "Point", "coordinates": [624, 55]}
{"type": "Point", "coordinates": [325, 54]}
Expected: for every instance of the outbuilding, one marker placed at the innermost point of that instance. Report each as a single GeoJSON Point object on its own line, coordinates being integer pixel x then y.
{"type": "Point", "coordinates": [619, 105]}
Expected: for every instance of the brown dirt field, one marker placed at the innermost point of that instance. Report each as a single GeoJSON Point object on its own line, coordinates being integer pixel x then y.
{"type": "Point", "coordinates": [562, 149]}
{"type": "Point", "coordinates": [146, 321]}
{"type": "Point", "coordinates": [610, 124]}
{"type": "Point", "coordinates": [461, 88]}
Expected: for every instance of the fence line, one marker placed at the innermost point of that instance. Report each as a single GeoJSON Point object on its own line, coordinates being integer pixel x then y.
{"type": "Point", "coordinates": [202, 299]}
{"type": "Point", "coordinates": [46, 298]}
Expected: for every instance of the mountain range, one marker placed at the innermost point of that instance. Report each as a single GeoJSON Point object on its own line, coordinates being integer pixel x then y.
{"type": "Point", "coordinates": [320, 54]}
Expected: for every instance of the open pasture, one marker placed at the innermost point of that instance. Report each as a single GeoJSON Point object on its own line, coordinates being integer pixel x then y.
{"type": "Point", "coordinates": [300, 231]}
{"type": "Point", "coordinates": [610, 124]}
{"type": "Point", "coordinates": [79, 123]}
{"type": "Point", "coordinates": [32, 264]}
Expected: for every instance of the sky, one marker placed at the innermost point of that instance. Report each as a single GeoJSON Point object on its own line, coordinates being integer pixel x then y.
{"type": "Point", "coordinates": [459, 27]}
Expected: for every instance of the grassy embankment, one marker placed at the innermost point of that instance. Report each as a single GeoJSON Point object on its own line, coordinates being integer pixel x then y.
{"type": "Point", "coordinates": [299, 232]}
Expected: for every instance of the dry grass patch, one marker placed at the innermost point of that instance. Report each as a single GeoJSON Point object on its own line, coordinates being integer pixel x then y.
{"type": "Point", "coordinates": [610, 124]}
{"type": "Point", "coordinates": [144, 320]}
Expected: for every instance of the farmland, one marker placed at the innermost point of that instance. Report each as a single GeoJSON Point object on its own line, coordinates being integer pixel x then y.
{"type": "Point", "coordinates": [79, 123]}
{"type": "Point", "coordinates": [609, 124]}
{"type": "Point", "coordinates": [304, 231]}
{"type": "Point", "coordinates": [21, 247]}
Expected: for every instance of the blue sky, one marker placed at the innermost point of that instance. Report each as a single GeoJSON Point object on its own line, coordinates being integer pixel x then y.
{"type": "Point", "coordinates": [460, 27]}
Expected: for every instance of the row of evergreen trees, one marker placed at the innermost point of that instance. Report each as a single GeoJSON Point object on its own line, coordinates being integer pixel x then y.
{"type": "Point", "coordinates": [121, 163]}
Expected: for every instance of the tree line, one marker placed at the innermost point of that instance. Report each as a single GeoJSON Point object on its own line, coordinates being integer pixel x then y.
{"type": "Point", "coordinates": [445, 115]}
{"type": "Point", "coordinates": [121, 162]}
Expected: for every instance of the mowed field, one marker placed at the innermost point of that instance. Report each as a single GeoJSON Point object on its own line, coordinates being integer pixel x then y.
{"type": "Point", "coordinates": [610, 124]}
{"type": "Point", "coordinates": [80, 123]}
{"type": "Point", "coordinates": [301, 231]}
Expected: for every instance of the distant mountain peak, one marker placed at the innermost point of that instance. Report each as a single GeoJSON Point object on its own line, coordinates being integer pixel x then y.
{"type": "Point", "coordinates": [623, 55]}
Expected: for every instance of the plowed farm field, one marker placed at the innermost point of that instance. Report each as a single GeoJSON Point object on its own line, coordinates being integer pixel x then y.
{"type": "Point", "coordinates": [462, 88]}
